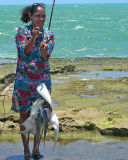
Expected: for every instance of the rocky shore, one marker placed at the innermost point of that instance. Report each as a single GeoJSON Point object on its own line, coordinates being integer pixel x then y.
{"type": "Point", "coordinates": [96, 105]}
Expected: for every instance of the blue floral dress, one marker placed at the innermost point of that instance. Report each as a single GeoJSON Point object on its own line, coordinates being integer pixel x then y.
{"type": "Point", "coordinates": [31, 69]}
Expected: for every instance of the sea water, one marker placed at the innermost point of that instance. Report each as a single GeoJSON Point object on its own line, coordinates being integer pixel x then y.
{"type": "Point", "coordinates": [86, 30]}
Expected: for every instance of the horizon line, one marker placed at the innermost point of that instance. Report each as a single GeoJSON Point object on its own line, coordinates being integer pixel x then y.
{"type": "Point", "coordinates": [70, 3]}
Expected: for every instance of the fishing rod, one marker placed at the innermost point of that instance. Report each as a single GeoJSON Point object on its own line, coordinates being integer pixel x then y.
{"type": "Point", "coordinates": [51, 15]}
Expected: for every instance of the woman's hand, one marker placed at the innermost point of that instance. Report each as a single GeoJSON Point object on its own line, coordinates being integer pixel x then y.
{"type": "Point", "coordinates": [36, 32]}
{"type": "Point", "coordinates": [29, 45]}
{"type": "Point", "coordinates": [44, 48]}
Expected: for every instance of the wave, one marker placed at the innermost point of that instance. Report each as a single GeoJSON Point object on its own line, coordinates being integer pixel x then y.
{"type": "Point", "coordinates": [4, 33]}
{"type": "Point", "coordinates": [8, 55]}
{"type": "Point", "coordinates": [102, 18]}
{"type": "Point", "coordinates": [78, 27]}
{"type": "Point", "coordinates": [16, 29]}
{"type": "Point", "coordinates": [72, 20]}
{"type": "Point", "coordinates": [10, 21]}
{"type": "Point", "coordinates": [83, 49]}
{"type": "Point", "coordinates": [76, 6]}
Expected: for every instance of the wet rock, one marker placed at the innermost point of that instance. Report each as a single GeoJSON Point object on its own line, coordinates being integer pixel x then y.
{"type": "Point", "coordinates": [61, 128]}
{"type": "Point", "coordinates": [90, 126]}
{"type": "Point", "coordinates": [122, 132]}
{"type": "Point", "coordinates": [108, 69]}
{"type": "Point", "coordinates": [7, 80]}
{"type": "Point", "coordinates": [66, 119]}
{"type": "Point", "coordinates": [124, 79]}
{"type": "Point", "coordinates": [110, 119]}
{"type": "Point", "coordinates": [1, 126]}
{"type": "Point", "coordinates": [87, 127]}
{"type": "Point", "coordinates": [11, 126]}
{"type": "Point", "coordinates": [3, 119]}
{"type": "Point", "coordinates": [10, 118]}
{"type": "Point", "coordinates": [69, 68]}
{"type": "Point", "coordinates": [13, 119]}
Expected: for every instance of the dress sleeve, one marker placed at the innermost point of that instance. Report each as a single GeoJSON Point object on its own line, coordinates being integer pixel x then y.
{"type": "Point", "coordinates": [21, 40]}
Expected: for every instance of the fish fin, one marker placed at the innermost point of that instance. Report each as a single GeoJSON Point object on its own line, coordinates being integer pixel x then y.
{"type": "Point", "coordinates": [55, 123]}
{"type": "Point", "coordinates": [25, 133]}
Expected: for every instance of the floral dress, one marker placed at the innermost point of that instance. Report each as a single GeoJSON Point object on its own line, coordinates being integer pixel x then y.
{"type": "Point", "coordinates": [31, 69]}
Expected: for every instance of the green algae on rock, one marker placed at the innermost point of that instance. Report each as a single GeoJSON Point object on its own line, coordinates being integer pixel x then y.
{"type": "Point", "coordinates": [98, 110]}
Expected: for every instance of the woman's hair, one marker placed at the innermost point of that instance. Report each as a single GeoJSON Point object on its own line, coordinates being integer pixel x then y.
{"type": "Point", "coordinates": [30, 9]}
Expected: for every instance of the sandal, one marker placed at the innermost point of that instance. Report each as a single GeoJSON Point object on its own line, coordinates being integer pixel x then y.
{"type": "Point", "coordinates": [27, 156]}
{"type": "Point", "coordinates": [38, 155]}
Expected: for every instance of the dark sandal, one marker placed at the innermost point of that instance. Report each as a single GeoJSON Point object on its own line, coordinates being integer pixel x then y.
{"type": "Point", "coordinates": [27, 156]}
{"type": "Point", "coordinates": [38, 155]}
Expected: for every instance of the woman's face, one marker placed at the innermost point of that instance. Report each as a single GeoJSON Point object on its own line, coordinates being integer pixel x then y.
{"type": "Point", "coordinates": [38, 18]}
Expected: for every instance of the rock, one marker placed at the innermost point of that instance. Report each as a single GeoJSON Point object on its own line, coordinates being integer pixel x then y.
{"type": "Point", "coordinates": [90, 126]}
{"type": "Point", "coordinates": [123, 132]}
{"type": "Point", "coordinates": [11, 126]}
{"type": "Point", "coordinates": [69, 68]}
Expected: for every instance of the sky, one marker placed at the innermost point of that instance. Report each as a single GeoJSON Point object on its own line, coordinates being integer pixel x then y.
{"type": "Point", "coordinates": [16, 2]}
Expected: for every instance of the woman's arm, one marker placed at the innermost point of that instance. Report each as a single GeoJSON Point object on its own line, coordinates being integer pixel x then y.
{"type": "Point", "coordinates": [29, 45]}
{"type": "Point", "coordinates": [44, 48]}
{"type": "Point", "coordinates": [24, 46]}
{"type": "Point", "coordinates": [47, 47]}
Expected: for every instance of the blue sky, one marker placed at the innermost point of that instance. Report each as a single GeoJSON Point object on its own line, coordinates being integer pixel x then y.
{"type": "Point", "coordinates": [12, 2]}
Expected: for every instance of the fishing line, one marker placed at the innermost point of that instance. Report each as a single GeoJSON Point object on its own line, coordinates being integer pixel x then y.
{"type": "Point", "coordinates": [4, 98]}
{"type": "Point", "coordinates": [4, 106]}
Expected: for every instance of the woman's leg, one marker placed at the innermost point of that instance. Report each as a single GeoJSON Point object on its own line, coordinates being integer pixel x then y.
{"type": "Point", "coordinates": [23, 116]}
{"type": "Point", "coordinates": [36, 146]}
{"type": "Point", "coordinates": [35, 152]}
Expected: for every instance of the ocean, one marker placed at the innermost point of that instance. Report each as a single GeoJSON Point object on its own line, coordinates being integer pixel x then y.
{"type": "Point", "coordinates": [86, 30]}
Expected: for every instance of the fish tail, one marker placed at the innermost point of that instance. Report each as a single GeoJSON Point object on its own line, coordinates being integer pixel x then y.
{"type": "Point", "coordinates": [54, 146]}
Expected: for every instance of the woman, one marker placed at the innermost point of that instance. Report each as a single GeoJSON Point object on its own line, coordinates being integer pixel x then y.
{"type": "Point", "coordinates": [34, 46]}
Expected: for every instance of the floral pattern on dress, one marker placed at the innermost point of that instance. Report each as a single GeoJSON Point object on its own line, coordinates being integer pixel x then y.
{"type": "Point", "coordinates": [31, 69]}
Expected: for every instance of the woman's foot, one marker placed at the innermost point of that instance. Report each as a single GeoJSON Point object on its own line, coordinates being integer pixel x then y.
{"type": "Point", "coordinates": [27, 156]}
{"type": "Point", "coordinates": [37, 155]}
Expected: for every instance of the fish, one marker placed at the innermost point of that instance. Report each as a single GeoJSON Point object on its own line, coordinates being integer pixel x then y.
{"type": "Point", "coordinates": [55, 123]}
{"type": "Point", "coordinates": [43, 91]}
{"type": "Point", "coordinates": [39, 128]}
{"type": "Point", "coordinates": [45, 123]}
{"type": "Point", "coordinates": [39, 122]}
{"type": "Point", "coordinates": [30, 122]}
{"type": "Point", "coordinates": [41, 116]}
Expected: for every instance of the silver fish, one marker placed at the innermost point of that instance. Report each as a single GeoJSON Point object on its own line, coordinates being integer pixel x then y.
{"type": "Point", "coordinates": [30, 123]}
{"type": "Point", "coordinates": [45, 123]}
{"type": "Point", "coordinates": [55, 123]}
{"type": "Point", "coordinates": [39, 128]}
{"type": "Point", "coordinates": [40, 116]}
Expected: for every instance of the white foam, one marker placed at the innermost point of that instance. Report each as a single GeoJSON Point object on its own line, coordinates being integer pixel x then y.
{"type": "Point", "coordinates": [4, 33]}
{"type": "Point", "coordinates": [72, 20]}
{"type": "Point", "coordinates": [9, 21]}
{"type": "Point", "coordinates": [83, 49]}
{"type": "Point", "coordinates": [102, 18]}
{"type": "Point", "coordinates": [15, 28]}
{"type": "Point", "coordinates": [76, 6]}
{"type": "Point", "coordinates": [102, 54]}
{"type": "Point", "coordinates": [78, 27]}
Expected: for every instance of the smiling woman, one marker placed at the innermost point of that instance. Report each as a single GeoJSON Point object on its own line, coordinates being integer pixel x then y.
{"type": "Point", "coordinates": [34, 47]}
